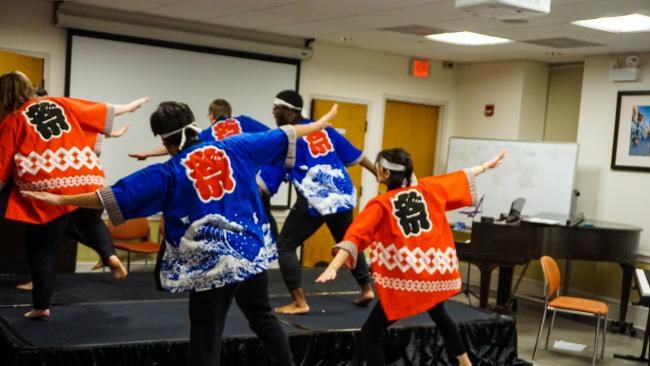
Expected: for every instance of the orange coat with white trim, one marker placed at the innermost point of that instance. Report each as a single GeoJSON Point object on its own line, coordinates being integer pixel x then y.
{"type": "Point", "coordinates": [413, 257]}
{"type": "Point", "coordinates": [47, 145]}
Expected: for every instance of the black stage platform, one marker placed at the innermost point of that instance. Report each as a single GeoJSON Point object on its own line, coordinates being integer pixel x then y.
{"type": "Point", "coordinates": [96, 321]}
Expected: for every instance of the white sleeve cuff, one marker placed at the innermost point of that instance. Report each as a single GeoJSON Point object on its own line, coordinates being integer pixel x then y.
{"type": "Point", "coordinates": [290, 160]}
{"type": "Point", "coordinates": [350, 248]}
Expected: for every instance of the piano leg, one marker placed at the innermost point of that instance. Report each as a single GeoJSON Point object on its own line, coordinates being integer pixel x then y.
{"type": "Point", "coordinates": [505, 284]}
{"type": "Point", "coordinates": [484, 291]}
{"type": "Point", "coordinates": [642, 357]}
{"type": "Point", "coordinates": [620, 325]}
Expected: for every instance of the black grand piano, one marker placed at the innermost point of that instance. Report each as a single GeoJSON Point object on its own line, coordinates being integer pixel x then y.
{"type": "Point", "coordinates": [506, 245]}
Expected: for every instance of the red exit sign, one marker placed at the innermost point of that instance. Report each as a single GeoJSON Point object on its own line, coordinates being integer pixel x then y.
{"type": "Point", "coordinates": [419, 68]}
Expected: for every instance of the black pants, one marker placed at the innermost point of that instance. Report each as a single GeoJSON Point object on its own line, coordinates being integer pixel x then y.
{"type": "Point", "coordinates": [298, 227]}
{"type": "Point", "coordinates": [85, 225]}
{"type": "Point", "coordinates": [375, 326]}
{"type": "Point", "coordinates": [266, 201]}
{"type": "Point", "coordinates": [208, 310]}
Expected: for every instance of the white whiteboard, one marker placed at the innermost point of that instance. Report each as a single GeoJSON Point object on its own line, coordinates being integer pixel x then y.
{"type": "Point", "coordinates": [115, 71]}
{"type": "Point", "coordinates": [541, 172]}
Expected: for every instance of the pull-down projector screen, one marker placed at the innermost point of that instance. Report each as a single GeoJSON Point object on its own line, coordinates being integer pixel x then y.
{"type": "Point", "coordinates": [120, 69]}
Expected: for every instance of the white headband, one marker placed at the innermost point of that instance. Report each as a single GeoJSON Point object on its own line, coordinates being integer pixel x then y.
{"type": "Point", "coordinates": [280, 102]}
{"type": "Point", "coordinates": [192, 126]}
{"type": "Point", "coordinates": [391, 166]}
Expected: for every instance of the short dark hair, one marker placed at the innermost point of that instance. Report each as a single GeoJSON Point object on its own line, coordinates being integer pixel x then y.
{"type": "Point", "coordinates": [41, 92]}
{"type": "Point", "coordinates": [398, 156]}
{"type": "Point", "coordinates": [292, 97]}
{"type": "Point", "coordinates": [171, 116]}
{"type": "Point", "coordinates": [220, 108]}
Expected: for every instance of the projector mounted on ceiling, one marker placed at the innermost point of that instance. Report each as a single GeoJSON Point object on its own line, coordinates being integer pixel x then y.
{"type": "Point", "coordinates": [505, 9]}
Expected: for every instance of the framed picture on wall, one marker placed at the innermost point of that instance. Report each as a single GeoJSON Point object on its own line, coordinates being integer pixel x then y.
{"type": "Point", "coordinates": [631, 147]}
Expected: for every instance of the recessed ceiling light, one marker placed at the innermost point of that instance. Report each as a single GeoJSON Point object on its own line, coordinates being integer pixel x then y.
{"type": "Point", "coordinates": [624, 24]}
{"type": "Point", "coordinates": [467, 39]}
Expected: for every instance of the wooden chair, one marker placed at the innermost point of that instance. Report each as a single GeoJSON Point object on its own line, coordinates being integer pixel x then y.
{"type": "Point", "coordinates": [568, 304]}
{"type": "Point", "coordinates": [133, 237]}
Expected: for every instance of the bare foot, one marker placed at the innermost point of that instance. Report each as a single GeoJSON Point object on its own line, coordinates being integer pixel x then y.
{"type": "Point", "coordinates": [37, 314]}
{"type": "Point", "coordinates": [27, 286]}
{"type": "Point", "coordinates": [294, 308]}
{"type": "Point", "coordinates": [117, 269]}
{"type": "Point", "coordinates": [98, 265]}
{"type": "Point", "coordinates": [366, 297]}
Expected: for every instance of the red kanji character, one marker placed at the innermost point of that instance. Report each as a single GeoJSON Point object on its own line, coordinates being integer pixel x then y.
{"type": "Point", "coordinates": [319, 143]}
{"type": "Point", "coordinates": [223, 129]}
{"type": "Point", "coordinates": [209, 169]}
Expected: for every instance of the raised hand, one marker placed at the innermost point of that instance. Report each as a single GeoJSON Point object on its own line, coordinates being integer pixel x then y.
{"type": "Point", "coordinates": [136, 104]}
{"type": "Point", "coordinates": [325, 121]}
{"type": "Point", "coordinates": [490, 164]}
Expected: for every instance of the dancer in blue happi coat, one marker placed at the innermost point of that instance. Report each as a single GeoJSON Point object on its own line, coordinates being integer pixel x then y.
{"type": "Point", "coordinates": [218, 244]}
{"type": "Point", "coordinates": [326, 195]}
{"type": "Point", "coordinates": [223, 125]}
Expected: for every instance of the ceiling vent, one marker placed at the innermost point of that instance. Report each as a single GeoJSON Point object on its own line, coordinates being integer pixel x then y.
{"type": "Point", "coordinates": [415, 29]}
{"type": "Point", "coordinates": [505, 9]}
{"type": "Point", "coordinates": [562, 42]}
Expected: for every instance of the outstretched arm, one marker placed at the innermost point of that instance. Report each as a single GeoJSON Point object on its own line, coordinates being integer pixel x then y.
{"type": "Point", "coordinates": [85, 200]}
{"type": "Point", "coordinates": [130, 107]}
{"type": "Point", "coordinates": [323, 122]}
{"type": "Point", "coordinates": [490, 164]}
{"type": "Point", "coordinates": [366, 163]}
{"type": "Point", "coordinates": [159, 151]}
{"type": "Point", "coordinates": [329, 274]}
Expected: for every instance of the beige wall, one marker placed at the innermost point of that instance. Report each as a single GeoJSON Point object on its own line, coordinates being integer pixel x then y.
{"type": "Point", "coordinates": [563, 108]}
{"type": "Point", "coordinates": [498, 83]}
{"type": "Point", "coordinates": [516, 88]}
{"type": "Point", "coordinates": [533, 101]}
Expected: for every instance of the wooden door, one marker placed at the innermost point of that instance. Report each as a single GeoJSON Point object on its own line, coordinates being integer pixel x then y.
{"type": "Point", "coordinates": [412, 127]}
{"type": "Point", "coordinates": [351, 123]}
{"type": "Point", "coordinates": [30, 66]}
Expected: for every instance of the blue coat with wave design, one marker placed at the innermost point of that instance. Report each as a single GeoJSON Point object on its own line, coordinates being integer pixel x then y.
{"type": "Point", "coordinates": [216, 231]}
{"type": "Point", "coordinates": [319, 173]}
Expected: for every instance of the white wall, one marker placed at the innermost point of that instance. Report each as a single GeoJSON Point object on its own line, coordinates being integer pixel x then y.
{"type": "Point", "coordinates": [372, 77]}
{"type": "Point", "coordinates": [606, 194]}
{"type": "Point", "coordinates": [498, 83]}
{"type": "Point", "coordinates": [517, 89]}
{"type": "Point", "coordinates": [26, 28]}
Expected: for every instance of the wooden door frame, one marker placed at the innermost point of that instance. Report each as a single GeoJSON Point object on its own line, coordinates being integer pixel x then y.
{"type": "Point", "coordinates": [335, 98]}
{"type": "Point", "coordinates": [439, 164]}
{"type": "Point", "coordinates": [46, 63]}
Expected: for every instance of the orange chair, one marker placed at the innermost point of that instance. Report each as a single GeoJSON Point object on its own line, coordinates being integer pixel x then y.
{"type": "Point", "coordinates": [567, 304]}
{"type": "Point", "coordinates": [133, 237]}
